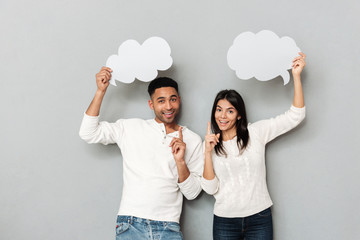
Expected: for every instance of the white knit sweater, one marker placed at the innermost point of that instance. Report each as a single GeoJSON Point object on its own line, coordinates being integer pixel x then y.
{"type": "Point", "coordinates": [239, 186]}
{"type": "Point", "coordinates": [150, 187]}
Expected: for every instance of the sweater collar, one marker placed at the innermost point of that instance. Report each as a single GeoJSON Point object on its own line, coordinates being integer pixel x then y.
{"type": "Point", "coordinates": [161, 127]}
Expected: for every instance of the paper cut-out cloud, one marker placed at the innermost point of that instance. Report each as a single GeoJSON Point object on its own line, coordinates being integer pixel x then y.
{"type": "Point", "coordinates": [140, 61]}
{"type": "Point", "coordinates": [263, 55]}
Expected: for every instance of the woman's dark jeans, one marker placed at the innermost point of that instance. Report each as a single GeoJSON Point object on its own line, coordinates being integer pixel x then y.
{"type": "Point", "coordinates": [254, 227]}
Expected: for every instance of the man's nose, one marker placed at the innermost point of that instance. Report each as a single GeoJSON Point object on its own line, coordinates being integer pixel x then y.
{"type": "Point", "coordinates": [168, 105]}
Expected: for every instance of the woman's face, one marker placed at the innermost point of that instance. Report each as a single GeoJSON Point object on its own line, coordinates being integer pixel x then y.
{"type": "Point", "coordinates": [226, 116]}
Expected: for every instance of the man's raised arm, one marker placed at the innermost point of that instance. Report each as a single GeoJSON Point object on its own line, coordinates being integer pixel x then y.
{"type": "Point", "coordinates": [91, 130]}
{"type": "Point", "coordinates": [102, 81]}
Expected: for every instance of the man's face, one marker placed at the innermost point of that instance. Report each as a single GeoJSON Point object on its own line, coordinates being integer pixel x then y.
{"type": "Point", "coordinates": [165, 102]}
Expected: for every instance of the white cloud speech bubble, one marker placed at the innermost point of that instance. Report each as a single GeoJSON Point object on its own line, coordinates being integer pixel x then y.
{"type": "Point", "coordinates": [263, 55]}
{"type": "Point", "coordinates": [142, 62]}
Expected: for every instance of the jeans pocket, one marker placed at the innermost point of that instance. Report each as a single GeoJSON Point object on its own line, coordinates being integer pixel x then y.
{"type": "Point", "coordinates": [265, 213]}
{"type": "Point", "coordinates": [175, 227]}
{"type": "Point", "coordinates": [122, 227]}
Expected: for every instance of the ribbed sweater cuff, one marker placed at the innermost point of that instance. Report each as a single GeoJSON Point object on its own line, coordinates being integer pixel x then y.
{"type": "Point", "coordinates": [210, 186]}
{"type": "Point", "coordinates": [190, 187]}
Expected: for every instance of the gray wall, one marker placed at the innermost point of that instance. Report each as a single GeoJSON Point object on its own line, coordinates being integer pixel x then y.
{"type": "Point", "coordinates": [55, 186]}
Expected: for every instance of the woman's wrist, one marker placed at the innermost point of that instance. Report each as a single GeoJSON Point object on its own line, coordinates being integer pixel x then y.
{"type": "Point", "coordinates": [208, 152]}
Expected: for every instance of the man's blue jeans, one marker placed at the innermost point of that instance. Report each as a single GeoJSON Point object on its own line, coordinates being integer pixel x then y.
{"type": "Point", "coordinates": [134, 228]}
{"type": "Point", "coordinates": [254, 227]}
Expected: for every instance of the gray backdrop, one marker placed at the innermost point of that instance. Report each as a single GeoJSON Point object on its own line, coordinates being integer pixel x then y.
{"type": "Point", "coordinates": [55, 186]}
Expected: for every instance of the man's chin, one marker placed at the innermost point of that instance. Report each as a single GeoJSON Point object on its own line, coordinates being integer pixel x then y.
{"type": "Point", "coordinates": [167, 120]}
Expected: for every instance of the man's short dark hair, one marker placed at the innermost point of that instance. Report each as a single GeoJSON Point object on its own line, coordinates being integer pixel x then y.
{"type": "Point", "coordinates": [162, 82]}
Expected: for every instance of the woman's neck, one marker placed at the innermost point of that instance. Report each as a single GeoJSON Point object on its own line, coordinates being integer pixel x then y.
{"type": "Point", "coordinates": [228, 134]}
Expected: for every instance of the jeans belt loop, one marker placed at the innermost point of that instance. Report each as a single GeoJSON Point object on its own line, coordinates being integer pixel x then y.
{"type": "Point", "coordinates": [130, 220]}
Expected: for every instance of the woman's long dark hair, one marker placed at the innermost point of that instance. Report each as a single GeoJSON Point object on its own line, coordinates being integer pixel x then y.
{"type": "Point", "coordinates": [242, 132]}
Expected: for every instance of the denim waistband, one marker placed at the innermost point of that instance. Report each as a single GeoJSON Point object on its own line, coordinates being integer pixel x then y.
{"type": "Point", "coordinates": [132, 219]}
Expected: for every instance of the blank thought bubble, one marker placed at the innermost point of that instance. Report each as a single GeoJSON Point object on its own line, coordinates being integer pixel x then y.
{"type": "Point", "coordinates": [263, 55]}
{"type": "Point", "coordinates": [142, 62]}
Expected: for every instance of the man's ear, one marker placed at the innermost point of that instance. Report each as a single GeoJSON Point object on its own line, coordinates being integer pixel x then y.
{"type": "Point", "coordinates": [179, 99]}
{"type": "Point", "coordinates": [151, 105]}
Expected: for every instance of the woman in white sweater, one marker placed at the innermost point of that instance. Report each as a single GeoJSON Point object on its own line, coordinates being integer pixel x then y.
{"type": "Point", "coordinates": [234, 170]}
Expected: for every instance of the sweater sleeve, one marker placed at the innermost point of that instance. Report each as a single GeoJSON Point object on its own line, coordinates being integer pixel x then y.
{"type": "Point", "coordinates": [274, 127]}
{"type": "Point", "coordinates": [191, 187]}
{"type": "Point", "coordinates": [210, 186]}
{"type": "Point", "coordinates": [93, 131]}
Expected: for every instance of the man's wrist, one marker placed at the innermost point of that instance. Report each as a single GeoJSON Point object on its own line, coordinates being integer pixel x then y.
{"type": "Point", "coordinates": [100, 92]}
{"type": "Point", "coordinates": [180, 161]}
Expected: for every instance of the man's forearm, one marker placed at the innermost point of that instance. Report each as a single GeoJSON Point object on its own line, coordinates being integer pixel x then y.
{"type": "Point", "coordinates": [94, 108]}
{"type": "Point", "coordinates": [183, 171]}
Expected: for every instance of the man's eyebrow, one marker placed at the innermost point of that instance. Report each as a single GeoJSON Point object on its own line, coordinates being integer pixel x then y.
{"type": "Point", "coordinates": [164, 97]}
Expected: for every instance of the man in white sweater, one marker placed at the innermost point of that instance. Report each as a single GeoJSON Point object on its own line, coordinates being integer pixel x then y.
{"type": "Point", "coordinates": [162, 161]}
